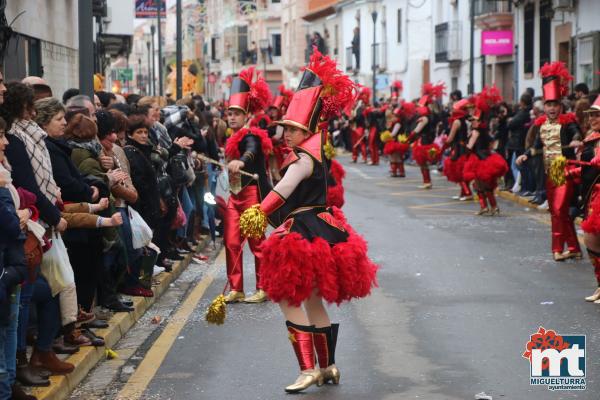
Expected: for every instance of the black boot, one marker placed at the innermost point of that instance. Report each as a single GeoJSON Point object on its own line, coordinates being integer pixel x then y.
{"type": "Point", "coordinates": [28, 375]}
{"type": "Point", "coordinates": [325, 342]}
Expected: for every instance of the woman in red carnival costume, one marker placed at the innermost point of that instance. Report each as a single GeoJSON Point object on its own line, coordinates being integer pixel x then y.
{"type": "Point", "coordinates": [560, 136]}
{"type": "Point", "coordinates": [396, 145]}
{"type": "Point", "coordinates": [247, 149]}
{"type": "Point", "coordinates": [484, 166]}
{"type": "Point", "coordinates": [457, 141]}
{"type": "Point", "coordinates": [359, 140]}
{"type": "Point", "coordinates": [314, 254]}
{"type": "Point", "coordinates": [424, 151]}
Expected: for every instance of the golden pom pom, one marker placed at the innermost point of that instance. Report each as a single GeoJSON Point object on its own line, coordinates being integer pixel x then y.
{"type": "Point", "coordinates": [228, 132]}
{"type": "Point", "coordinates": [433, 152]}
{"type": "Point", "coordinates": [386, 136]}
{"type": "Point", "coordinates": [217, 311]}
{"type": "Point", "coordinates": [329, 150]}
{"type": "Point", "coordinates": [253, 222]}
{"type": "Point", "coordinates": [557, 171]}
{"type": "Point", "coordinates": [403, 138]}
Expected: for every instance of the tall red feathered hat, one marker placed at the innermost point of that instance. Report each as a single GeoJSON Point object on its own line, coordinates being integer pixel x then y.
{"type": "Point", "coordinates": [555, 80]}
{"type": "Point", "coordinates": [396, 88]}
{"type": "Point", "coordinates": [247, 94]}
{"type": "Point", "coordinates": [324, 91]}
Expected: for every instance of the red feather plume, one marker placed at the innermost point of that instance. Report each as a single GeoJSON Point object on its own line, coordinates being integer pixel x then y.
{"type": "Point", "coordinates": [260, 93]}
{"type": "Point", "coordinates": [397, 86]}
{"type": "Point", "coordinates": [435, 92]}
{"type": "Point", "coordinates": [559, 69]}
{"type": "Point", "coordinates": [409, 109]}
{"type": "Point", "coordinates": [339, 91]}
{"type": "Point", "coordinates": [488, 98]}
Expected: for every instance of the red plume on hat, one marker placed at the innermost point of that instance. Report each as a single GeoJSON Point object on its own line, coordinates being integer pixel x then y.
{"type": "Point", "coordinates": [396, 88]}
{"type": "Point", "coordinates": [249, 95]}
{"type": "Point", "coordinates": [409, 109]}
{"type": "Point", "coordinates": [324, 92]}
{"type": "Point", "coordinates": [364, 94]}
{"type": "Point", "coordinates": [488, 98]}
{"type": "Point", "coordinates": [431, 92]}
{"type": "Point", "coordinates": [338, 89]}
{"type": "Point", "coordinates": [555, 80]}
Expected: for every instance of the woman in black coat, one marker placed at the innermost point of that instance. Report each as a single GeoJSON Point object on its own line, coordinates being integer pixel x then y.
{"type": "Point", "coordinates": [143, 175]}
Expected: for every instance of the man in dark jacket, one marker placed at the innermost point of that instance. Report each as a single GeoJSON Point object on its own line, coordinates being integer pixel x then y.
{"type": "Point", "coordinates": [517, 131]}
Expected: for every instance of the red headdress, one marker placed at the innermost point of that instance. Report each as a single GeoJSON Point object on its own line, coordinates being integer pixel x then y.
{"type": "Point", "coordinates": [324, 91]}
{"type": "Point", "coordinates": [484, 101]}
{"type": "Point", "coordinates": [555, 80]}
{"type": "Point", "coordinates": [431, 92]}
{"type": "Point", "coordinates": [364, 94]}
{"type": "Point", "coordinates": [409, 109]}
{"type": "Point", "coordinates": [247, 95]}
{"type": "Point", "coordinates": [396, 88]}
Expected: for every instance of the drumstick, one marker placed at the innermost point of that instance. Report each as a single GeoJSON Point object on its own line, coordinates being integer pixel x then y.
{"type": "Point", "coordinates": [220, 164]}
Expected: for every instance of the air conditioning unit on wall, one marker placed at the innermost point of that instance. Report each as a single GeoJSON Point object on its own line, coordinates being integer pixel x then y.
{"type": "Point", "coordinates": [564, 5]}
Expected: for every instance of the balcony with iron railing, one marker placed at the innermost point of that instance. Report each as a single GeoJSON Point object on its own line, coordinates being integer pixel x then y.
{"type": "Point", "coordinates": [448, 37]}
{"type": "Point", "coordinates": [493, 14]}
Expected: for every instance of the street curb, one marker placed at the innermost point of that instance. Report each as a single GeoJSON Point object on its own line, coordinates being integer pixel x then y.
{"type": "Point", "coordinates": [525, 202]}
{"type": "Point", "coordinates": [88, 357]}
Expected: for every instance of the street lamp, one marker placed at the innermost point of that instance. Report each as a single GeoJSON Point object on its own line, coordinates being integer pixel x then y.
{"type": "Point", "coordinates": [264, 47]}
{"type": "Point", "coordinates": [373, 9]}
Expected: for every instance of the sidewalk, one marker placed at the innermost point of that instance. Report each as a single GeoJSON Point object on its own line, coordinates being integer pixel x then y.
{"type": "Point", "coordinates": [525, 202]}
{"type": "Point", "coordinates": [88, 357]}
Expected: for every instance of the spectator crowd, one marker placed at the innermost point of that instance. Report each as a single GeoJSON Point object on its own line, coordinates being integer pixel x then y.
{"type": "Point", "coordinates": [97, 195]}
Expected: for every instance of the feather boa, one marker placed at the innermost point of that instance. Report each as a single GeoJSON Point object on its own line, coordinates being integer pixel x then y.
{"type": "Point", "coordinates": [563, 119]}
{"type": "Point", "coordinates": [232, 149]}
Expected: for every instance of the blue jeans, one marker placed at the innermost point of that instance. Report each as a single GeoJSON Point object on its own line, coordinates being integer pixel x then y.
{"type": "Point", "coordinates": [188, 208]}
{"type": "Point", "coordinates": [134, 256]}
{"type": "Point", "coordinates": [513, 166]}
{"type": "Point", "coordinates": [25, 302]}
{"type": "Point", "coordinates": [8, 348]}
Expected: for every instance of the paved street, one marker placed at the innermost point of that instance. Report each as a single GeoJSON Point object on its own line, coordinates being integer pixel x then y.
{"type": "Point", "coordinates": [459, 296]}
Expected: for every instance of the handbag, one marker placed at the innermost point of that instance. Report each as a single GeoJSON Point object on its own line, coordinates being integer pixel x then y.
{"type": "Point", "coordinates": [180, 219]}
{"type": "Point", "coordinates": [33, 254]}
{"type": "Point", "coordinates": [178, 169]}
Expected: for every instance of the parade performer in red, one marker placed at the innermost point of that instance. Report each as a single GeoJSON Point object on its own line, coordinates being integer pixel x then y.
{"type": "Point", "coordinates": [314, 254]}
{"type": "Point", "coordinates": [373, 115]}
{"type": "Point", "coordinates": [360, 125]}
{"type": "Point", "coordinates": [247, 149]}
{"type": "Point", "coordinates": [425, 152]}
{"type": "Point", "coordinates": [396, 145]}
{"type": "Point", "coordinates": [483, 166]}
{"type": "Point", "coordinates": [280, 150]}
{"type": "Point", "coordinates": [457, 141]}
{"type": "Point", "coordinates": [588, 176]}
{"type": "Point", "coordinates": [560, 135]}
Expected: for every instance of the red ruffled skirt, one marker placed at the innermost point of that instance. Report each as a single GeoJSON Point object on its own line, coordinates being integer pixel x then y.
{"type": "Point", "coordinates": [453, 169]}
{"type": "Point", "coordinates": [426, 153]}
{"type": "Point", "coordinates": [487, 171]}
{"type": "Point", "coordinates": [394, 146]}
{"type": "Point", "coordinates": [591, 223]}
{"type": "Point", "coordinates": [293, 266]}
